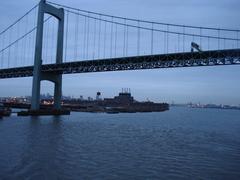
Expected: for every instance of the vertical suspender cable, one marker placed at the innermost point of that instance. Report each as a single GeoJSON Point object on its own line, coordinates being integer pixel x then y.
{"type": "Point", "coordinates": [208, 44]}
{"type": "Point", "coordinates": [25, 42]}
{"type": "Point", "coordinates": [85, 37]}
{"type": "Point", "coordinates": [224, 44]}
{"type": "Point", "coordinates": [218, 39]}
{"type": "Point", "coordinates": [116, 32]}
{"type": "Point", "coordinates": [16, 48]}
{"type": "Point", "coordinates": [99, 36]}
{"type": "Point", "coordinates": [22, 49]}
{"type": "Point", "coordinates": [29, 48]}
{"type": "Point", "coordinates": [105, 38]}
{"type": "Point", "coordinates": [167, 37]}
{"type": "Point", "coordinates": [3, 50]}
{"type": "Point", "coordinates": [76, 37]}
{"type": "Point", "coordinates": [161, 37]}
{"type": "Point", "coordinates": [88, 29]}
{"type": "Point", "coordinates": [111, 39]}
{"type": "Point", "coordinates": [200, 37]}
{"type": "Point", "coordinates": [138, 39]}
{"type": "Point", "coordinates": [1, 47]}
{"type": "Point", "coordinates": [152, 39]}
{"type": "Point", "coordinates": [2, 58]}
{"type": "Point", "coordinates": [124, 37]}
{"type": "Point", "coordinates": [127, 42]}
{"type": "Point", "coordinates": [94, 38]}
{"type": "Point", "coordinates": [9, 49]}
{"type": "Point", "coordinates": [178, 42]}
{"type": "Point", "coordinates": [183, 38]}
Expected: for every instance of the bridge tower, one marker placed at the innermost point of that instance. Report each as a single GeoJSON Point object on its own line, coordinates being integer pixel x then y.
{"type": "Point", "coordinates": [38, 75]}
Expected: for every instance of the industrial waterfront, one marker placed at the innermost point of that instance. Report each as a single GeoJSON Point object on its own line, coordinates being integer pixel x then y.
{"type": "Point", "coordinates": [123, 103]}
{"type": "Point", "coordinates": [183, 143]}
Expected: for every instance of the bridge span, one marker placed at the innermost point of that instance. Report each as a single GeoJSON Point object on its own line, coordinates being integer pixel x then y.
{"type": "Point", "coordinates": [190, 59]}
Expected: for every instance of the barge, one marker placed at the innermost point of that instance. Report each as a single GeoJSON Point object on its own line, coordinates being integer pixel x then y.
{"type": "Point", "coordinates": [5, 111]}
{"type": "Point", "coordinates": [123, 103]}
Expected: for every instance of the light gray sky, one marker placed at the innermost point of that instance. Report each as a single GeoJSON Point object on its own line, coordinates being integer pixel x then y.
{"type": "Point", "coordinates": [205, 84]}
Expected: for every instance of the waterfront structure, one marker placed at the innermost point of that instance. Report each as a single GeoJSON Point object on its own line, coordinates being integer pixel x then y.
{"type": "Point", "coordinates": [98, 96]}
{"type": "Point", "coordinates": [124, 102]}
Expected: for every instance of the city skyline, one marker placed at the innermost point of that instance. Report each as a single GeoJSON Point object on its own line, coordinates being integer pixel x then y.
{"type": "Point", "coordinates": [49, 96]}
{"type": "Point", "coordinates": [205, 84]}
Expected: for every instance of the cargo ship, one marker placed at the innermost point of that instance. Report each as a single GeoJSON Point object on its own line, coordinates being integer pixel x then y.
{"type": "Point", "coordinates": [123, 103]}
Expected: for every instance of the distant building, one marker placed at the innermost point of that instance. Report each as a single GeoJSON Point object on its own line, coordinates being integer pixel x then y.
{"type": "Point", "coordinates": [90, 99]}
{"type": "Point", "coordinates": [98, 96]}
{"type": "Point", "coordinates": [81, 98]}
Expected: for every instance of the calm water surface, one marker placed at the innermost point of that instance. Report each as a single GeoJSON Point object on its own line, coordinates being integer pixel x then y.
{"type": "Point", "coordinates": [179, 144]}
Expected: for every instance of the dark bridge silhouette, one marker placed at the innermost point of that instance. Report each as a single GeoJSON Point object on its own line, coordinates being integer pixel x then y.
{"type": "Point", "coordinates": [207, 58]}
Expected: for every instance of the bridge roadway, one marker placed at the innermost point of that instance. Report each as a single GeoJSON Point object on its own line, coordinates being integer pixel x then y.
{"type": "Point", "coordinates": [187, 59]}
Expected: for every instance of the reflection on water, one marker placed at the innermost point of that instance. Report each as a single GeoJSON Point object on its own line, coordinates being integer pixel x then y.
{"type": "Point", "coordinates": [181, 143]}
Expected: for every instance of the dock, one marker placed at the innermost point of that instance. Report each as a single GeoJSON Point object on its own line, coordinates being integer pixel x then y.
{"type": "Point", "coordinates": [45, 112]}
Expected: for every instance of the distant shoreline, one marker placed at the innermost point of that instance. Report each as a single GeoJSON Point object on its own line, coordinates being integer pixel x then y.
{"type": "Point", "coordinates": [208, 106]}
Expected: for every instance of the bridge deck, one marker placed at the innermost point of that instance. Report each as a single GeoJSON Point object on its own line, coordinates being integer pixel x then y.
{"type": "Point", "coordinates": [188, 59]}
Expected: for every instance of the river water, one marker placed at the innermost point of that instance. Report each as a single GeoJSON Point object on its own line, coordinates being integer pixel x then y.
{"type": "Point", "coordinates": [182, 143]}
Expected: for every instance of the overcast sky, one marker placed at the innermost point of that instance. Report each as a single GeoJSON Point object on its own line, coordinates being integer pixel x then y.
{"type": "Point", "coordinates": [205, 84]}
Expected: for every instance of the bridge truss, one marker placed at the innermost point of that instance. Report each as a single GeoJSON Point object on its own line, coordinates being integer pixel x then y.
{"type": "Point", "coordinates": [208, 58]}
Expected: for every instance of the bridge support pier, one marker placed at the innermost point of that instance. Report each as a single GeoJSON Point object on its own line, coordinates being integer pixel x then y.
{"type": "Point", "coordinates": [58, 93]}
{"type": "Point", "coordinates": [38, 75]}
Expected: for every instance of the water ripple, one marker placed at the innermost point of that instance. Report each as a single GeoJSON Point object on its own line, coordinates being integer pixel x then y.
{"type": "Point", "coordinates": [178, 144]}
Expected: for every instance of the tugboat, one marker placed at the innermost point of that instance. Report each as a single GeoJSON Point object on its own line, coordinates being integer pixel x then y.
{"type": "Point", "coordinates": [4, 111]}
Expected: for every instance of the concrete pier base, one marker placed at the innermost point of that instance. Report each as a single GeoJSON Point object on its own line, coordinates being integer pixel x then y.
{"type": "Point", "coordinates": [44, 112]}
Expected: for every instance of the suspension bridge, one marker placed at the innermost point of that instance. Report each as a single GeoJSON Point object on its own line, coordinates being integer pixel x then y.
{"type": "Point", "coordinates": [53, 39]}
